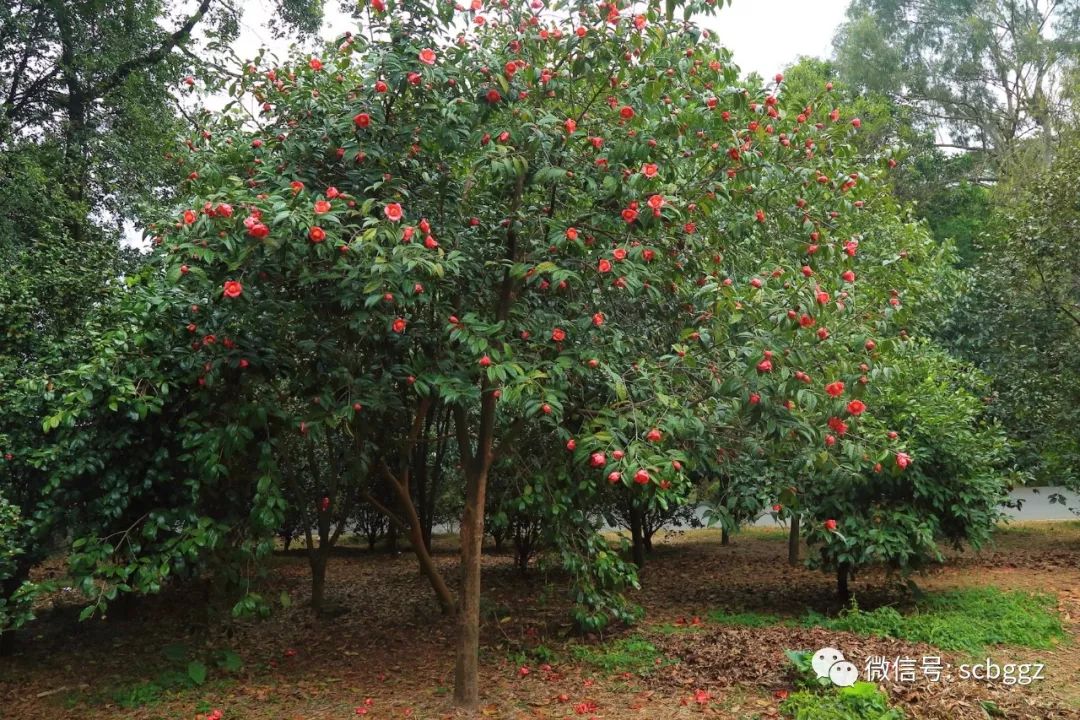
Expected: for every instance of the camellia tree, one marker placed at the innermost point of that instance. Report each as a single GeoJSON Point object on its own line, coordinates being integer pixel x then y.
{"type": "Point", "coordinates": [568, 227]}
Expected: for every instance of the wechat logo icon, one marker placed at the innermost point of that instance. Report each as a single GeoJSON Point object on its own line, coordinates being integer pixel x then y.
{"type": "Point", "coordinates": [830, 663]}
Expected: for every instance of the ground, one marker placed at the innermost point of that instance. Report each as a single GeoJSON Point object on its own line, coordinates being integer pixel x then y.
{"type": "Point", "coordinates": [712, 644]}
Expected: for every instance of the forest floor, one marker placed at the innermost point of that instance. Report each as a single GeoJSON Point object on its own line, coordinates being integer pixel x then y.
{"type": "Point", "coordinates": [718, 620]}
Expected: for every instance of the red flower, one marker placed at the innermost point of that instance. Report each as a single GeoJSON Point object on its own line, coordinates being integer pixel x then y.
{"type": "Point", "coordinates": [493, 96]}
{"type": "Point", "coordinates": [822, 297]}
{"type": "Point", "coordinates": [398, 326]}
{"type": "Point", "coordinates": [392, 212]}
{"type": "Point", "coordinates": [614, 476]}
{"type": "Point", "coordinates": [558, 334]}
{"type": "Point", "coordinates": [902, 460]}
{"type": "Point", "coordinates": [629, 215]}
{"type": "Point", "coordinates": [427, 56]}
{"type": "Point", "coordinates": [653, 435]}
{"type": "Point", "coordinates": [604, 265]}
{"type": "Point", "coordinates": [856, 407]}
{"type": "Point", "coordinates": [835, 389]}
{"type": "Point", "coordinates": [598, 319]}
{"type": "Point", "coordinates": [806, 321]}
{"type": "Point", "coordinates": [485, 361]}
{"type": "Point", "coordinates": [317, 234]}
{"type": "Point", "coordinates": [830, 525]}
{"type": "Point", "coordinates": [571, 233]}
{"type": "Point", "coordinates": [322, 207]}
{"type": "Point", "coordinates": [570, 444]}
{"type": "Point", "coordinates": [232, 289]}
{"type": "Point", "coordinates": [598, 459]}
{"type": "Point", "coordinates": [362, 120]}
{"type": "Point", "coordinates": [641, 477]}
{"type": "Point", "coordinates": [754, 398]}
{"type": "Point", "coordinates": [315, 64]}
{"type": "Point", "coordinates": [848, 276]}
{"type": "Point", "coordinates": [649, 170]}
{"type": "Point", "coordinates": [764, 366]}
{"type": "Point", "coordinates": [626, 112]}
{"type": "Point", "coordinates": [830, 440]}
{"type": "Point", "coordinates": [570, 125]}
{"type": "Point", "coordinates": [656, 202]}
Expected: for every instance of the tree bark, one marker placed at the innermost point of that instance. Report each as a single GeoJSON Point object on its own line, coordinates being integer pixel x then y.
{"type": "Point", "coordinates": [842, 591]}
{"type": "Point", "coordinates": [793, 541]}
{"type": "Point", "coordinates": [725, 537]}
{"type": "Point", "coordinates": [637, 539]}
{"type": "Point", "coordinates": [466, 673]}
{"type": "Point", "coordinates": [318, 563]}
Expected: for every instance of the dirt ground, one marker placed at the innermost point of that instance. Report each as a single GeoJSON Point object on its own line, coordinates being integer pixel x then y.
{"type": "Point", "coordinates": [384, 651]}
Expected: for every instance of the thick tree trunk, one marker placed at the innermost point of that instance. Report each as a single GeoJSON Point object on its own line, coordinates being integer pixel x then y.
{"type": "Point", "coordinates": [842, 591]}
{"type": "Point", "coordinates": [793, 541]}
{"type": "Point", "coordinates": [466, 673]}
{"type": "Point", "coordinates": [637, 541]}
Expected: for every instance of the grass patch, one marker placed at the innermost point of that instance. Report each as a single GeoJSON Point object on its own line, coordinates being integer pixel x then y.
{"type": "Point", "coordinates": [969, 620]}
{"type": "Point", "coordinates": [861, 701]}
{"type": "Point", "coordinates": [747, 619]}
{"type": "Point", "coordinates": [633, 654]}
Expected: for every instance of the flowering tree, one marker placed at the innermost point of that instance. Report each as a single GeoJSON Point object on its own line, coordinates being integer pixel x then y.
{"type": "Point", "coordinates": [568, 230]}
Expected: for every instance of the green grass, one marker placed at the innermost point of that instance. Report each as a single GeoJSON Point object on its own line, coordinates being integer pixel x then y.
{"type": "Point", "coordinates": [861, 701]}
{"type": "Point", "coordinates": [969, 620]}
{"type": "Point", "coordinates": [747, 619]}
{"type": "Point", "coordinates": [633, 654]}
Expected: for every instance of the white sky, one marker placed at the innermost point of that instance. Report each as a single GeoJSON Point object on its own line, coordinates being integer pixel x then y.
{"type": "Point", "coordinates": [764, 35]}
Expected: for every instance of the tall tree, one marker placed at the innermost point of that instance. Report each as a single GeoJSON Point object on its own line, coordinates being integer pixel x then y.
{"type": "Point", "coordinates": [985, 74]}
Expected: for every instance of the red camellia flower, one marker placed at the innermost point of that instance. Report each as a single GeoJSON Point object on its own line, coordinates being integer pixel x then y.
{"type": "Point", "coordinates": [764, 366]}
{"type": "Point", "coordinates": [571, 234]}
{"type": "Point", "coordinates": [558, 334]}
{"type": "Point", "coordinates": [398, 325]}
{"type": "Point", "coordinates": [317, 234]}
{"type": "Point", "coordinates": [626, 112]}
{"type": "Point", "coordinates": [184, 269]}
{"type": "Point", "coordinates": [629, 215]}
{"type": "Point", "coordinates": [315, 64]}
{"type": "Point", "coordinates": [322, 207]}
{"type": "Point", "coordinates": [649, 170]}
{"type": "Point", "coordinates": [754, 398]}
{"type": "Point", "coordinates": [848, 276]}
{"type": "Point", "coordinates": [598, 319]}
{"type": "Point", "coordinates": [830, 440]}
{"type": "Point", "coordinates": [870, 345]}
{"type": "Point", "coordinates": [232, 289]}
{"type": "Point", "coordinates": [362, 120]}
{"type": "Point", "coordinates": [427, 56]}
{"type": "Point", "coordinates": [902, 460]}
{"type": "Point", "coordinates": [189, 217]}
{"type": "Point", "coordinates": [571, 444]}
{"type": "Point", "coordinates": [856, 407]}
{"type": "Point", "coordinates": [641, 477]}
{"type": "Point", "coordinates": [822, 297]}
{"type": "Point", "coordinates": [653, 435]}
{"type": "Point", "coordinates": [614, 476]}
{"type": "Point", "coordinates": [830, 525]}
{"type": "Point", "coordinates": [570, 125]}
{"type": "Point", "coordinates": [392, 212]}
{"type": "Point", "coordinates": [493, 96]}
{"type": "Point", "coordinates": [598, 459]}
{"type": "Point", "coordinates": [806, 321]}
{"type": "Point", "coordinates": [835, 389]}
{"type": "Point", "coordinates": [485, 361]}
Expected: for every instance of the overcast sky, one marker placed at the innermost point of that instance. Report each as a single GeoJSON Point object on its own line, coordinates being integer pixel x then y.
{"type": "Point", "coordinates": [764, 35]}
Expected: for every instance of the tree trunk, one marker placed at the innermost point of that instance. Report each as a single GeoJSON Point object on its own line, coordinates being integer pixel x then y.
{"type": "Point", "coordinates": [793, 541]}
{"type": "Point", "coordinates": [637, 542]}
{"type": "Point", "coordinates": [842, 591]}
{"type": "Point", "coordinates": [466, 673]}
{"type": "Point", "coordinates": [318, 562]}
{"type": "Point", "coordinates": [725, 537]}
